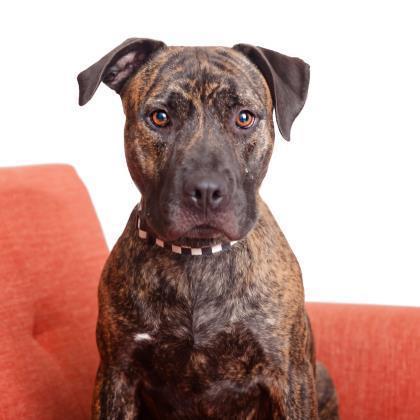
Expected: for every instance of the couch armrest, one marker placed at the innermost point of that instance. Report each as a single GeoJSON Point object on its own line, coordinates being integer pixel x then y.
{"type": "Point", "coordinates": [373, 355]}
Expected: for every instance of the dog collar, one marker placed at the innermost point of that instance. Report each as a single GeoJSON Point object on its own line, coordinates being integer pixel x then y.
{"type": "Point", "coordinates": [179, 249]}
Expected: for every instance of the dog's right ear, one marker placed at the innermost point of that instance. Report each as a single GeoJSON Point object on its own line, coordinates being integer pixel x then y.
{"type": "Point", "coordinates": [115, 68]}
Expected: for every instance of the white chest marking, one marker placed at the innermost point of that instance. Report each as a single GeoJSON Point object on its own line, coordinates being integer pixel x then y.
{"type": "Point", "coordinates": [142, 337]}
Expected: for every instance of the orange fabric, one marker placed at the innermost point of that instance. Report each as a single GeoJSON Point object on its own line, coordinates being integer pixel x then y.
{"type": "Point", "coordinates": [51, 253]}
{"type": "Point", "coordinates": [373, 354]}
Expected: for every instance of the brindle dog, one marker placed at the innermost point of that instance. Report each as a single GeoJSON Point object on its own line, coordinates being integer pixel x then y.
{"type": "Point", "coordinates": [218, 336]}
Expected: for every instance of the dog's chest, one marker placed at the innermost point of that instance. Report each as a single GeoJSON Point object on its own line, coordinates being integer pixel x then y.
{"type": "Point", "coordinates": [203, 353]}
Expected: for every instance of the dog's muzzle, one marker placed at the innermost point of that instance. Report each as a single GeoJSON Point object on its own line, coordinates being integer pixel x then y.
{"type": "Point", "coordinates": [179, 249]}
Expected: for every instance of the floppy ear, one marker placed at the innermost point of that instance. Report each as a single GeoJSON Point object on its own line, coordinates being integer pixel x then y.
{"type": "Point", "coordinates": [287, 78]}
{"type": "Point", "coordinates": [115, 68]}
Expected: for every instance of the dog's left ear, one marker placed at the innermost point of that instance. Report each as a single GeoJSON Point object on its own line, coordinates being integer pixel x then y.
{"type": "Point", "coordinates": [116, 67]}
{"type": "Point", "coordinates": [287, 78]}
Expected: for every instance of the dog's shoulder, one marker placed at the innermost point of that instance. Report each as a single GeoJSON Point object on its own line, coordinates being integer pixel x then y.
{"type": "Point", "coordinates": [269, 244]}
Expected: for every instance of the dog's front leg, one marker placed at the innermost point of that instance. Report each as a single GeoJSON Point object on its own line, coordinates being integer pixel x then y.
{"type": "Point", "coordinates": [114, 396]}
{"type": "Point", "coordinates": [294, 397]}
{"type": "Point", "coordinates": [301, 402]}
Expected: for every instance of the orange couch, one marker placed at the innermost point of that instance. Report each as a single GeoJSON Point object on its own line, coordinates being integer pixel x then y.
{"type": "Point", "coordinates": [51, 254]}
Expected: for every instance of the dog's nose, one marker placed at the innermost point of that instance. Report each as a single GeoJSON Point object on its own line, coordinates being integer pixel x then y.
{"type": "Point", "coordinates": [206, 192]}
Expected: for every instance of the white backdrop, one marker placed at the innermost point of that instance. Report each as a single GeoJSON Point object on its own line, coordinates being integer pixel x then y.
{"type": "Point", "coordinates": [345, 190]}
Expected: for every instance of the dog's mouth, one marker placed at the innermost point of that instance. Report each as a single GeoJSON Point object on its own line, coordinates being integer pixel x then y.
{"type": "Point", "coordinates": [183, 232]}
{"type": "Point", "coordinates": [180, 225]}
{"type": "Point", "coordinates": [204, 231]}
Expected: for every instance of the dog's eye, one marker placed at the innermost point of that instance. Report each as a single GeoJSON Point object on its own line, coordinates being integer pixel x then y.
{"type": "Point", "coordinates": [245, 119]}
{"type": "Point", "coordinates": [159, 118]}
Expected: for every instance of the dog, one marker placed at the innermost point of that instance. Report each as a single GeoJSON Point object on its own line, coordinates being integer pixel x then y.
{"type": "Point", "coordinates": [201, 303]}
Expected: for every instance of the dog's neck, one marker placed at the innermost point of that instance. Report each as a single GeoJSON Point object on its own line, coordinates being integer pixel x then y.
{"type": "Point", "coordinates": [184, 246]}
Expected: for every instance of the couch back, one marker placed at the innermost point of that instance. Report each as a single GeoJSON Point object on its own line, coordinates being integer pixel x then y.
{"type": "Point", "coordinates": [51, 254]}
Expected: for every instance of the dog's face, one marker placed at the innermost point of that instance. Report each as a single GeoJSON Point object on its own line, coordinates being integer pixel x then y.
{"type": "Point", "coordinates": [199, 131]}
{"type": "Point", "coordinates": [198, 137]}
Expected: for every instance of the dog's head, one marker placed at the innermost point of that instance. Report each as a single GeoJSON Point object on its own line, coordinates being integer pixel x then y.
{"type": "Point", "coordinates": [199, 131]}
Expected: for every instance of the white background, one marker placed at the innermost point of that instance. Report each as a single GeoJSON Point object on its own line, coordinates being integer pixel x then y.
{"type": "Point", "coordinates": [345, 190]}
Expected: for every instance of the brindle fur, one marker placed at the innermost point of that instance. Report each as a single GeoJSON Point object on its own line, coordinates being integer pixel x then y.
{"type": "Point", "coordinates": [229, 335]}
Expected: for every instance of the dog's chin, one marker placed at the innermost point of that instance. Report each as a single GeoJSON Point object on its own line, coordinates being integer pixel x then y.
{"type": "Point", "coordinates": [185, 230]}
{"type": "Point", "coordinates": [200, 232]}
{"type": "Point", "coordinates": [204, 232]}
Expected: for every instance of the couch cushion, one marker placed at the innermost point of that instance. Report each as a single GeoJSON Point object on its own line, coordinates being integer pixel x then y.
{"type": "Point", "coordinates": [372, 353]}
{"type": "Point", "coordinates": [51, 253]}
